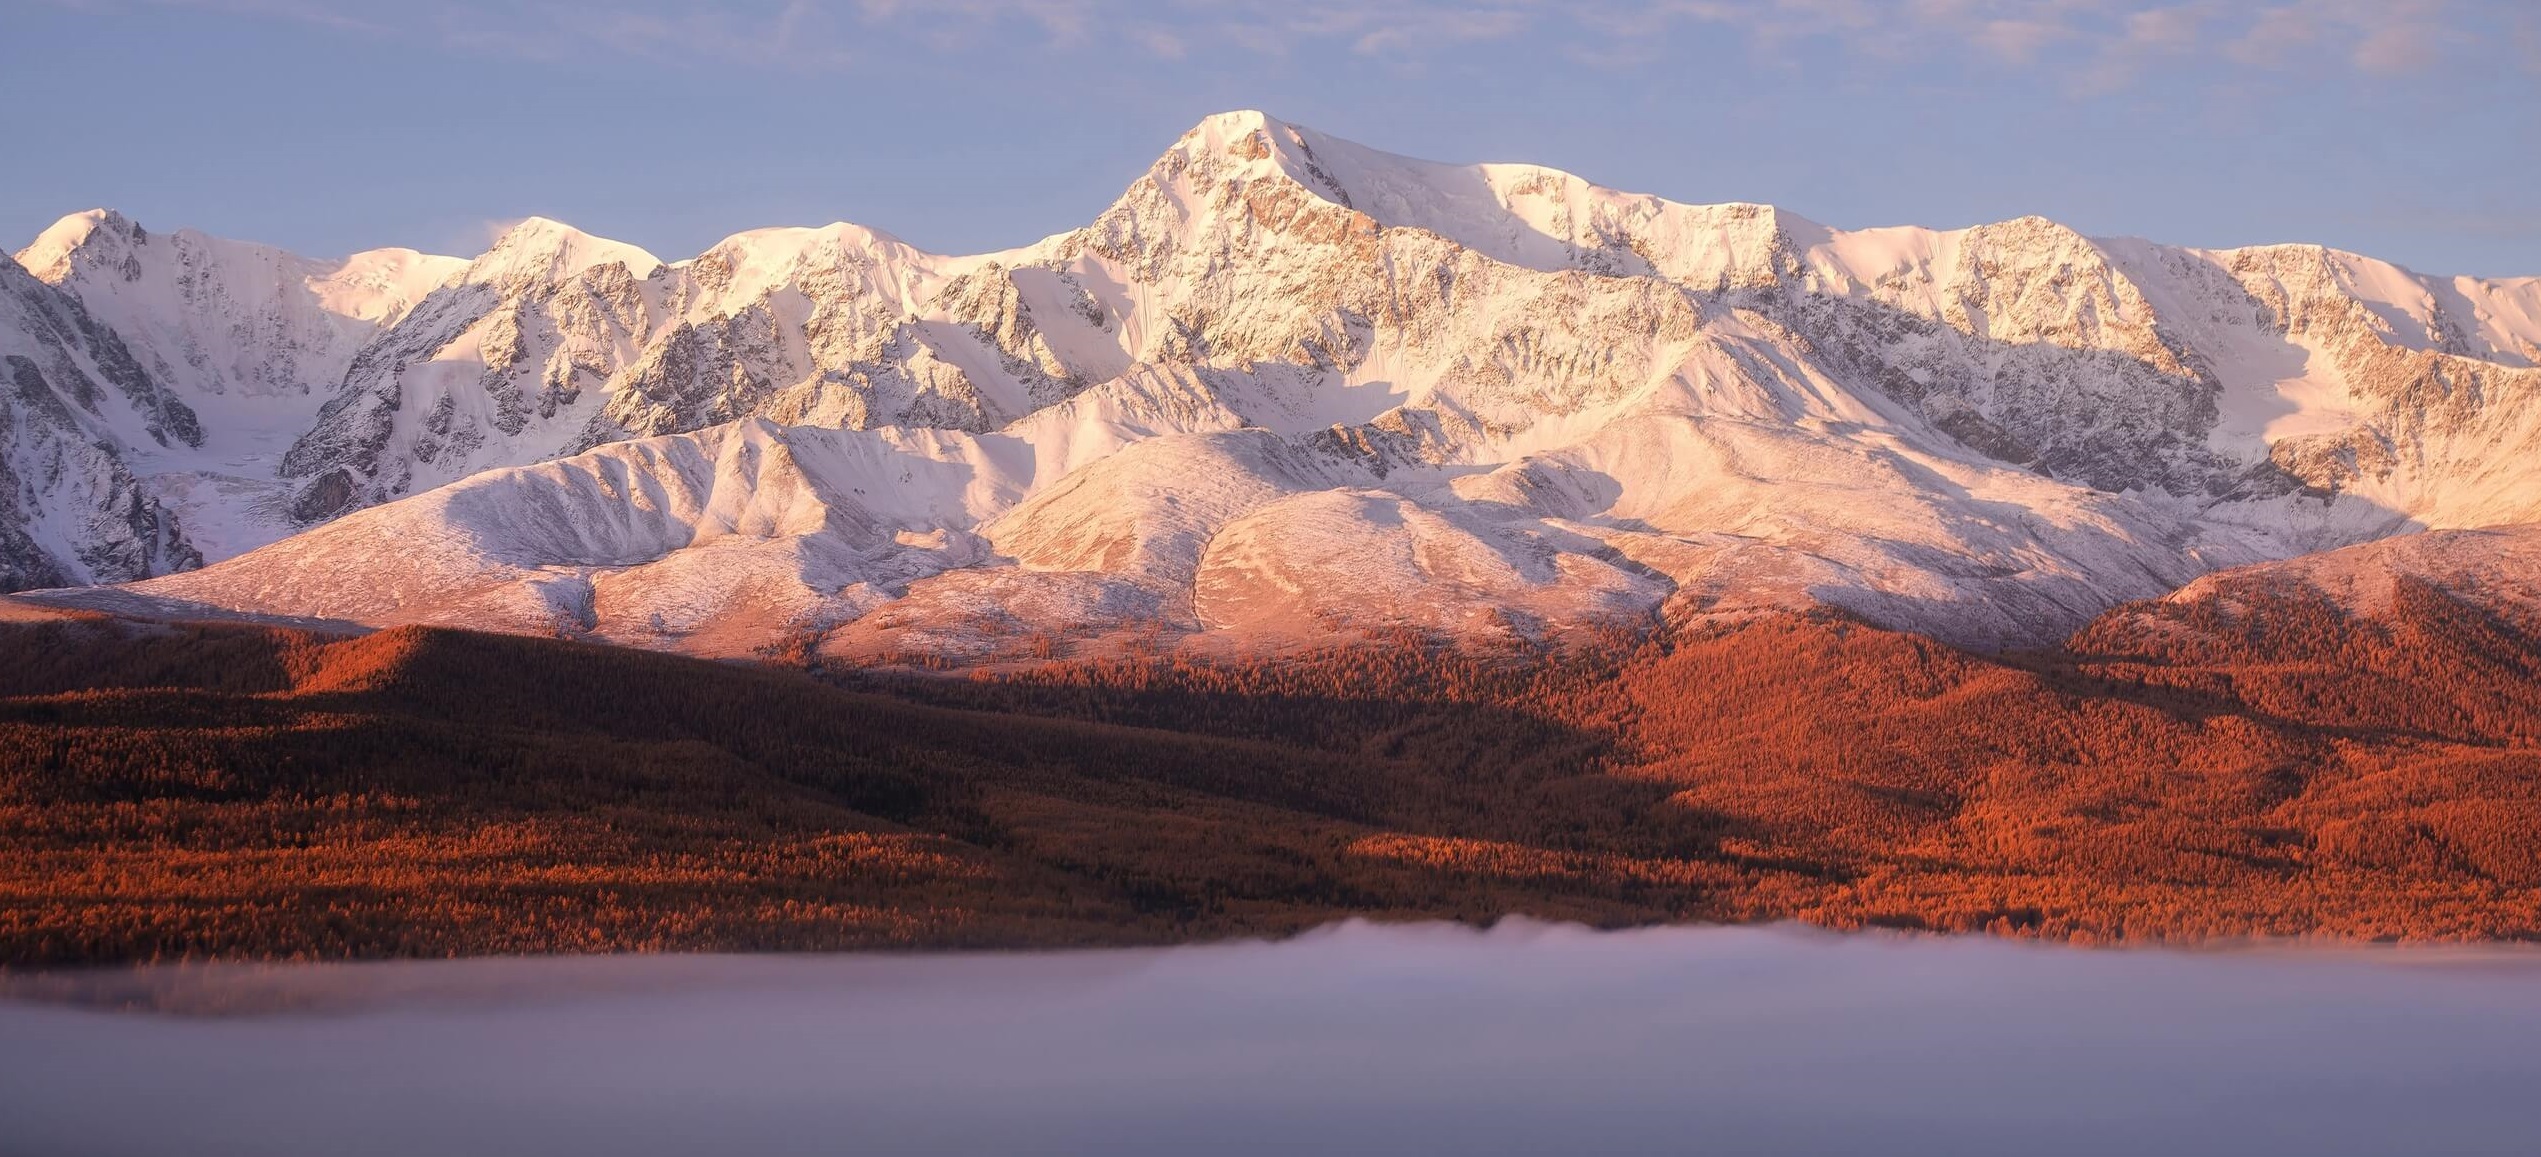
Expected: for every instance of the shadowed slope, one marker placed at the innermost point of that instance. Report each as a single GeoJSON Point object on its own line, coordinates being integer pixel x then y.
{"type": "Point", "coordinates": [216, 790]}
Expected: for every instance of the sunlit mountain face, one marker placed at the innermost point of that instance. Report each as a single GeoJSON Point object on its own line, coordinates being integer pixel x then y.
{"type": "Point", "coordinates": [1285, 392]}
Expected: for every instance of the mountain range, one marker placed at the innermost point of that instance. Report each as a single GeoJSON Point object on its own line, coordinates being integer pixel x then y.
{"type": "Point", "coordinates": [1286, 389]}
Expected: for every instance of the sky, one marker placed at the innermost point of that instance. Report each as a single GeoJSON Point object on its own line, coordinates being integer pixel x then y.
{"type": "Point", "coordinates": [2405, 129]}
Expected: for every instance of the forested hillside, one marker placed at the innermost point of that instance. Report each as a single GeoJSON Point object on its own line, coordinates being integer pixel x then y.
{"type": "Point", "coordinates": [198, 790]}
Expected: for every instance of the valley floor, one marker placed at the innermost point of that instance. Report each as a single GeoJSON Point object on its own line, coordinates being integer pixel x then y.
{"type": "Point", "coordinates": [183, 791]}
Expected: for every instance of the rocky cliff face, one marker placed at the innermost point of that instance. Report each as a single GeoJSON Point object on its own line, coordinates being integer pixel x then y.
{"type": "Point", "coordinates": [73, 403]}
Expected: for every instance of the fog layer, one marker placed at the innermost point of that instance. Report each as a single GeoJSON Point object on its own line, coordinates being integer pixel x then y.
{"type": "Point", "coordinates": [1525, 1039]}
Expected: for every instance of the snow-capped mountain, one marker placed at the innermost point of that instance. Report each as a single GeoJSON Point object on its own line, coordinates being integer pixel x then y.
{"type": "Point", "coordinates": [555, 341]}
{"type": "Point", "coordinates": [252, 340]}
{"type": "Point", "coordinates": [1287, 384]}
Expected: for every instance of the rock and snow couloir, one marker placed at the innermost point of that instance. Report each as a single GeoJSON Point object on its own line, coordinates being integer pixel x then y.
{"type": "Point", "coordinates": [1288, 385]}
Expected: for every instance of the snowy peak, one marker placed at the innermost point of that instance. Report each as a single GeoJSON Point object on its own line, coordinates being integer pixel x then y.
{"type": "Point", "coordinates": [215, 316]}
{"type": "Point", "coordinates": [748, 266]}
{"type": "Point", "coordinates": [2490, 320]}
{"type": "Point", "coordinates": [543, 250]}
{"type": "Point", "coordinates": [1546, 219]}
{"type": "Point", "coordinates": [251, 339]}
{"type": "Point", "coordinates": [1518, 214]}
{"type": "Point", "coordinates": [95, 238]}
{"type": "Point", "coordinates": [1259, 144]}
{"type": "Point", "coordinates": [378, 286]}
{"type": "Point", "coordinates": [100, 245]}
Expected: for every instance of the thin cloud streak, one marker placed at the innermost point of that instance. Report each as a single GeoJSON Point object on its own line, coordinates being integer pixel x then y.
{"type": "Point", "coordinates": [2100, 46]}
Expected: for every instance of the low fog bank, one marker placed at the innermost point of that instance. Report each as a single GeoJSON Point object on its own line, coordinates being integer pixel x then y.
{"type": "Point", "coordinates": [1523, 1039]}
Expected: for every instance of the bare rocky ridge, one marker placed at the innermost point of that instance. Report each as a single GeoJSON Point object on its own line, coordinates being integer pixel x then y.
{"type": "Point", "coordinates": [1287, 385]}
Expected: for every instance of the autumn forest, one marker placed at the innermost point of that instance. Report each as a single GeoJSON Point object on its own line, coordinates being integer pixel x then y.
{"type": "Point", "coordinates": [195, 790]}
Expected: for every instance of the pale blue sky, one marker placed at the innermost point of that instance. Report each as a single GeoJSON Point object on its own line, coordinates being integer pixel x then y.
{"type": "Point", "coordinates": [2408, 129]}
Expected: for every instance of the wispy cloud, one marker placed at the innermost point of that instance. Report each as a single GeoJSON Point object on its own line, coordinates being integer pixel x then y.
{"type": "Point", "coordinates": [2095, 45]}
{"type": "Point", "coordinates": [2105, 44]}
{"type": "Point", "coordinates": [325, 13]}
{"type": "Point", "coordinates": [2019, 41]}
